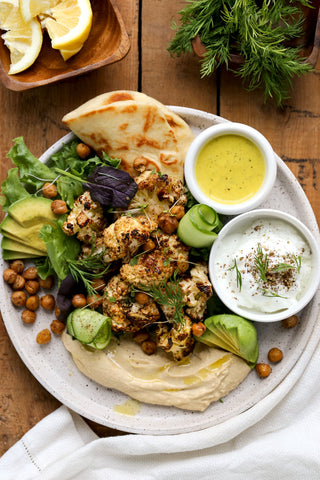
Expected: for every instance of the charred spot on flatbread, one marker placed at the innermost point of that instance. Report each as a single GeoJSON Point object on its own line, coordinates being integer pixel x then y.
{"type": "Point", "coordinates": [128, 125]}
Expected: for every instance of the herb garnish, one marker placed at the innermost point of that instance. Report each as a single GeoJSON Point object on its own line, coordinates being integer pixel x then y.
{"type": "Point", "coordinates": [168, 294]}
{"type": "Point", "coordinates": [261, 262]}
{"type": "Point", "coordinates": [270, 293]}
{"type": "Point", "coordinates": [238, 273]}
{"type": "Point", "coordinates": [257, 31]}
{"type": "Point", "coordinates": [87, 269]}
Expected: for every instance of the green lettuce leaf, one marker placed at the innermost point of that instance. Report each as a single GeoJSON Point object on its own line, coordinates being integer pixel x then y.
{"type": "Point", "coordinates": [60, 247]}
{"type": "Point", "coordinates": [12, 189]}
{"type": "Point", "coordinates": [32, 172]}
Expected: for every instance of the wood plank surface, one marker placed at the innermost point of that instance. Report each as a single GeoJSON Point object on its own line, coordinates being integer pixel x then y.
{"type": "Point", "coordinates": [36, 115]}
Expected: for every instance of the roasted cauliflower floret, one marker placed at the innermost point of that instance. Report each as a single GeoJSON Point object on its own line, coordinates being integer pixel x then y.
{"type": "Point", "coordinates": [196, 290]}
{"type": "Point", "coordinates": [157, 193]}
{"type": "Point", "coordinates": [123, 238]}
{"type": "Point", "coordinates": [153, 267]}
{"type": "Point", "coordinates": [85, 219]}
{"type": "Point", "coordinates": [127, 315]}
{"type": "Point", "coordinates": [177, 339]}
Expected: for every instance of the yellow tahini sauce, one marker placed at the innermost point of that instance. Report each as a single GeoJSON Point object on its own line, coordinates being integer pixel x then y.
{"type": "Point", "coordinates": [230, 169]}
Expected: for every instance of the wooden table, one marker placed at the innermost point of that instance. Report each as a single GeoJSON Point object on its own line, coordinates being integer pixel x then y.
{"type": "Point", "coordinates": [36, 115]}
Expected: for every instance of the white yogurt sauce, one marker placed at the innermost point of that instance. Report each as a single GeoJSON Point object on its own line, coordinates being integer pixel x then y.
{"type": "Point", "coordinates": [265, 268]}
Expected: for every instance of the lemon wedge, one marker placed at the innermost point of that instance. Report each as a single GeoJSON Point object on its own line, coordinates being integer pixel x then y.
{"type": "Point", "coordinates": [69, 24]}
{"type": "Point", "coordinates": [31, 8]}
{"type": "Point", "coordinates": [24, 40]}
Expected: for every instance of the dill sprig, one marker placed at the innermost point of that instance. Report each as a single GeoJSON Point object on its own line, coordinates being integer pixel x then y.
{"type": "Point", "coordinates": [238, 273]}
{"type": "Point", "coordinates": [270, 293]}
{"type": "Point", "coordinates": [261, 262]}
{"type": "Point", "coordinates": [168, 294]}
{"type": "Point", "coordinates": [258, 31]}
{"type": "Point", "coordinates": [298, 262]}
{"type": "Point", "coordinates": [87, 269]}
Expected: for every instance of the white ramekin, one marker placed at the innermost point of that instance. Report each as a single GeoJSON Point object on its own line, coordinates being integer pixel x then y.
{"type": "Point", "coordinates": [238, 225]}
{"type": "Point", "coordinates": [237, 129]}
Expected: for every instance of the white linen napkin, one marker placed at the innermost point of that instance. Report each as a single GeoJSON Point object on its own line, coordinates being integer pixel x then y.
{"type": "Point", "coordinates": [265, 442]}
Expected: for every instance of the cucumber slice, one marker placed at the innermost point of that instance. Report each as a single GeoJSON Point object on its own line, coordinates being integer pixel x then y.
{"type": "Point", "coordinates": [69, 324]}
{"type": "Point", "coordinates": [204, 217]}
{"type": "Point", "coordinates": [194, 236]}
{"type": "Point", "coordinates": [89, 327]}
{"type": "Point", "coordinates": [86, 324]}
{"type": "Point", "coordinates": [103, 336]}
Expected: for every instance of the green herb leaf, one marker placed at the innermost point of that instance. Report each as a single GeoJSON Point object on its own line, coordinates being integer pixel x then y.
{"type": "Point", "coordinates": [261, 262]}
{"type": "Point", "coordinates": [238, 273]}
{"type": "Point", "coordinates": [257, 31]}
{"type": "Point", "coordinates": [12, 190]}
{"type": "Point", "coordinates": [32, 172]}
{"type": "Point", "coordinates": [168, 294]}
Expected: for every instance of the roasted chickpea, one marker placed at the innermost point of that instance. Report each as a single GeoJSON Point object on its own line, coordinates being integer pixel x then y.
{"type": "Point", "coordinates": [9, 275]}
{"type": "Point", "coordinates": [19, 298]}
{"type": "Point", "coordinates": [57, 312]}
{"type": "Point", "coordinates": [47, 283]}
{"type": "Point", "coordinates": [19, 283]}
{"type": "Point", "coordinates": [140, 164]}
{"type": "Point", "coordinates": [149, 245]}
{"type": "Point", "coordinates": [94, 301]}
{"type": "Point", "coordinates": [32, 286]}
{"type": "Point", "coordinates": [30, 273]}
{"type": "Point", "coordinates": [49, 190]}
{"type": "Point", "coordinates": [43, 337]}
{"type": "Point", "coordinates": [79, 300]}
{"type": "Point", "coordinates": [168, 223]}
{"type": "Point", "coordinates": [98, 284]}
{"type": "Point", "coordinates": [290, 322]}
{"type": "Point", "coordinates": [83, 150]}
{"type": "Point", "coordinates": [178, 211]}
{"type": "Point", "coordinates": [149, 347]}
{"type": "Point", "coordinates": [142, 298]}
{"type": "Point", "coordinates": [28, 316]}
{"type": "Point", "coordinates": [198, 329]}
{"type": "Point", "coordinates": [59, 207]}
{"type": "Point", "coordinates": [48, 302]}
{"type": "Point", "coordinates": [32, 303]}
{"type": "Point", "coordinates": [57, 327]}
{"type": "Point", "coordinates": [263, 369]}
{"type": "Point", "coordinates": [275, 355]}
{"type": "Point", "coordinates": [140, 336]}
{"type": "Point", "coordinates": [17, 266]}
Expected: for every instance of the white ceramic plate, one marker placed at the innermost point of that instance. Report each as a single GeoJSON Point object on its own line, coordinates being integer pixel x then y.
{"type": "Point", "coordinates": [54, 369]}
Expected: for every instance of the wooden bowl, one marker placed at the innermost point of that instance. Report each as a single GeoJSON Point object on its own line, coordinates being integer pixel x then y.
{"type": "Point", "coordinates": [309, 41]}
{"type": "Point", "coordinates": [107, 43]}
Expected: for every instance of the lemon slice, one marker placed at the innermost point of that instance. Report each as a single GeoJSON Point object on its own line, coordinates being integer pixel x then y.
{"type": "Point", "coordinates": [66, 54]}
{"type": "Point", "coordinates": [31, 8]}
{"type": "Point", "coordinates": [24, 40]}
{"type": "Point", "coordinates": [70, 24]}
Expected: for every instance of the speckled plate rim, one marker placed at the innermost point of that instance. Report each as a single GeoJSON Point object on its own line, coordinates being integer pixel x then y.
{"type": "Point", "coordinates": [54, 369]}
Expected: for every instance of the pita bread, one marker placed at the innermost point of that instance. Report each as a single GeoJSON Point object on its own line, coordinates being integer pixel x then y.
{"type": "Point", "coordinates": [128, 125]}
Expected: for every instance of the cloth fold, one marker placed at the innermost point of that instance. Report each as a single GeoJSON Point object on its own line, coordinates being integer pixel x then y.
{"type": "Point", "coordinates": [278, 438]}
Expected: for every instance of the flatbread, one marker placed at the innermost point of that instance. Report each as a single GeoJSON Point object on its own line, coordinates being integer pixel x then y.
{"type": "Point", "coordinates": [128, 125]}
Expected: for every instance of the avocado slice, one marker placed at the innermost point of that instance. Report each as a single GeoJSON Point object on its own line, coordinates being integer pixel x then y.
{"type": "Point", "coordinates": [234, 334]}
{"type": "Point", "coordinates": [31, 211]}
{"type": "Point", "coordinates": [12, 255]}
{"type": "Point", "coordinates": [29, 236]}
{"type": "Point", "coordinates": [12, 245]}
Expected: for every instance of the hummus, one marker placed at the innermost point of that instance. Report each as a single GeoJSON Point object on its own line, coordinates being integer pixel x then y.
{"type": "Point", "coordinates": [208, 375]}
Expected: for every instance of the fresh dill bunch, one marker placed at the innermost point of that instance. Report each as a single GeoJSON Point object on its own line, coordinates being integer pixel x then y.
{"type": "Point", "coordinates": [168, 294]}
{"type": "Point", "coordinates": [87, 269]}
{"type": "Point", "coordinates": [257, 31]}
